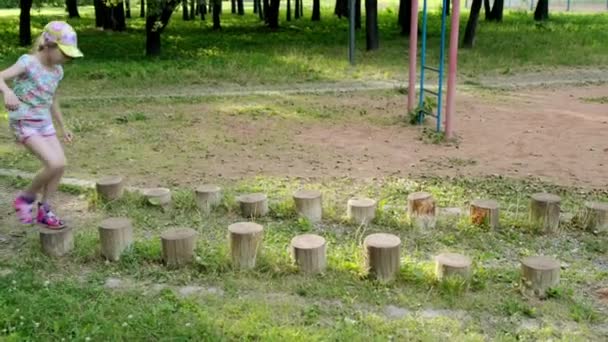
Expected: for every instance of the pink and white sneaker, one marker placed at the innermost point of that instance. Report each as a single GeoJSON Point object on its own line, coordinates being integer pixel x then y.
{"type": "Point", "coordinates": [24, 207]}
{"type": "Point", "coordinates": [47, 218]}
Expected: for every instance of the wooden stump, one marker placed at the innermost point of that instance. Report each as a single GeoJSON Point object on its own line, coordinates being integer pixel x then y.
{"type": "Point", "coordinates": [253, 205]}
{"type": "Point", "coordinates": [544, 211]}
{"type": "Point", "coordinates": [115, 235]}
{"type": "Point", "coordinates": [245, 241]}
{"type": "Point", "coordinates": [596, 216]}
{"type": "Point", "coordinates": [452, 264]}
{"type": "Point", "coordinates": [382, 255]}
{"type": "Point", "coordinates": [361, 210]}
{"type": "Point", "coordinates": [539, 273]}
{"type": "Point", "coordinates": [110, 188]}
{"type": "Point", "coordinates": [309, 204]}
{"type": "Point", "coordinates": [308, 251]}
{"type": "Point", "coordinates": [485, 212]}
{"type": "Point", "coordinates": [421, 209]}
{"type": "Point", "coordinates": [56, 242]}
{"type": "Point", "coordinates": [158, 196]}
{"type": "Point", "coordinates": [207, 197]}
{"type": "Point", "coordinates": [178, 246]}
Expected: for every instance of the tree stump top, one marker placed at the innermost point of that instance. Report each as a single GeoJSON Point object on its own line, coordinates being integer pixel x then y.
{"type": "Point", "coordinates": [252, 198]}
{"type": "Point", "coordinates": [109, 180]}
{"type": "Point", "coordinates": [245, 228]}
{"type": "Point", "coordinates": [115, 223]}
{"type": "Point", "coordinates": [361, 202]}
{"type": "Point", "coordinates": [382, 240]}
{"type": "Point", "coordinates": [485, 204]}
{"type": "Point", "coordinates": [601, 206]}
{"type": "Point", "coordinates": [546, 197]}
{"type": "Point", "coordinates": [416, 196]}
{"type": "Point", "coordinates": [541, 262]}
{"type": "Point", "coordinates": [156, 192]}
{"type": "Point", "coordinates": [307, 194]}
{"type": "Point", "coordinates": [454, 260]}
{"type": "Point", "coordinates": [307, 241]}
{"type": "Point", "coordinates": [47, 231]}
{"type": "Point", "coordinates": [208, 188]}
{"type": "Point", "coordinates": [178, 234]}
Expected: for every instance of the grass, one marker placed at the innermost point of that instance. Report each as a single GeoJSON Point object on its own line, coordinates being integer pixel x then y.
{"type": "Point", "coordinates": [245, 53]}
{"type": "Point", "coordinates": [274, 302]}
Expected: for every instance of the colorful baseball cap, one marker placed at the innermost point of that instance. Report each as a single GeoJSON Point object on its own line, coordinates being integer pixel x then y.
{"type": "Point", "coordinates": [64, 36]}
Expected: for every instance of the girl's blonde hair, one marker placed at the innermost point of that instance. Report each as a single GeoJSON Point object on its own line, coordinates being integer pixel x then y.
{"type": "Point", "coordinates": [40, 44]}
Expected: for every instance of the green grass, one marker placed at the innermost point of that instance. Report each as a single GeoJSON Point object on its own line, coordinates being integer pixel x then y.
{"type": "Point", "coordinates": [245, 53]}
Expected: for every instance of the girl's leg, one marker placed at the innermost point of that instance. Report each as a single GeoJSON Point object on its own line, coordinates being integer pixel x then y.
{"type": "Point", "coordinates": [51, 186]}
{"type": "Point", "coordinates": [53, 159]}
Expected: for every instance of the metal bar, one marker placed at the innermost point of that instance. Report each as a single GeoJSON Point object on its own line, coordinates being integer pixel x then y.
{"type": "Point", "coordinates": [431, 91]}
{"type": "Point", "coordinates": [441, 62]}
{"type": "Point", "coordinates": [422, 59]}
{"type": "Point", "coordinates": [351, 33]}
{"type": "Point", "coordinates": [431, 69]}
{"type": "Point", "coordinates": [568, 5]}
{"type": "Point", "coordinates": [411, 92]}
{"type": "Point", "coordinates": [453, 63]}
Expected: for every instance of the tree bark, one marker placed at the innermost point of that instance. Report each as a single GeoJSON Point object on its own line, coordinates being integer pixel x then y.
{"type": "Point", "coordinates": [266, 10]}
{"type": "Point", "coordinates": [316, 10]}
{"type": "Point", "coordinates": [542, 10]}
{"type": "Point", "coordinates": [487, 9]}
{"type": "Point", "coordinates": [142, 9]}
{"type": "Point", "coordinates": [192, 9]}
{"type": "Point", "coordinates": [240, 7]}
{"type": "Point", "coordinates": [469, 32]}
{"type": "Point", "coordinates": [152, 31]}
{"type": "Point", "coordinates": [25, 27]}
{"type": "Point", "coordinates": [371, 24]}
{"type": "Point", "coordinates": [202, 9]}
{"type": "Point", "coordinates": [497, 10]}
{"type": "Point", "coordinates": [405, 16]}
{"type": "Point", "coordinates": [341, 8]}
{"type": "Point", "coordinates": [119, 20]}
{"type": "Point", "coordinates": [72, 7]}
{"type": "Point", "coordinates": [217, 10]}
{"type": "Point", "coordinates": [288, 16]}
{"type": "Point", "coordinates": [233, 6]}
{"type": "Point", "coordinates": [297, 12]}
{"type": "Point", "coordinates": [128, 8]}
{"type": "Point", "coordinates": [99, 13]}
{"type": "Point", "coordinates": [185, 14]}
{"type": "Point", "coordinates": [358, 14]}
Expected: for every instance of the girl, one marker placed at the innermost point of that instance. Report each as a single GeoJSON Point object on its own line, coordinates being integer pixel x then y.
{"type": "Point", "coordinates": [32, 105]}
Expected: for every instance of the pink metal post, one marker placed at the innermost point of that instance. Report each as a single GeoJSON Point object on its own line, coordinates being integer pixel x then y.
{"type": "Point", "coordinates": [453, 61]}
{"type": "Point", "coordinates": [411, 91]}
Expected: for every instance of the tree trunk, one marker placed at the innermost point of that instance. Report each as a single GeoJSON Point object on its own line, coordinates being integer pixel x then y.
{"type": "Point", "coordinates": [273, 21]}
{"type": "Point", "coordinates": [233, 6]}
{"type": "Point", "coordinates": [152, 31]}
{"type": "Point", "coordinates": [240, 7]}
{"type": "Point", "coordinates": [469, 32]}
{"type": "Point", "coordinates": [142, 9]}
{"type": "Point", "coordinates": [358, 14]}
{"type": "Point", "coordinates": [107, 17]}
{"type": "Point", "coordinates": [25, 28]}
{"type": "Point", "coordinates": [316, 10]}
{"type": "Point", "coordinates": [487, 10]}
{"type": "Point", "coordinates": [301, 8]}
{"type": "Point", "coordinates": [371, 24]}
{"type": "Point", "coordinates": [297, 13]}
{"type": "Point", "coordinates": [542, 10]}
{"type": "Point", "coordinates": [405, 16]}
{"type": "Point", "coordinates": [288, 16]}
{"type": "Point", "coordinates": [497, 10]}
{"type": "Point", "coordinates": [120, 23]}
{"type": "Point", "coordinates": [192, 9]}
{"type": "Point", "coordinates": [202, 9]}
{"type": "Point", "coordinates": [72, 6]}
{"type": "Point", "coordinates": [99, 13]}
{"type": "Point", "coordinates": [217, 10]}
{"type": "Point", "coordinates": [128, 4]}
{"type": "Point", "coordinates": [185, 15]}
{"type": "Point", "coordinates": [261, 13]}
{"type": "Point", "coordinates": [341, 8]}
{"type": "Point", "coordinates": [255, 6]}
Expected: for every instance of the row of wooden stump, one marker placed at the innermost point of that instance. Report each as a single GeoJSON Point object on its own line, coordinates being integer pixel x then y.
{"type": "Point", "coordinates": [545, 209]}
{"type": "Point", "coordinates": [382, 252]}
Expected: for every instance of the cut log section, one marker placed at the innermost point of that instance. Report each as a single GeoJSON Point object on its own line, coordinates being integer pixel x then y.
{"type": "Point", "coordinates": [178, 246]}
{"type": "Point", "coordinates": [421, 209]}
{"type": "Point", "coordinates": [56, 242]}
{"type": "Point", "coordinates": [485, 213]}
{"type": "Point", "coordinates": [158, 196]}
{"type": "Point", "coordinates": [452, 264]}
{"type": "Point", "coordinates": [245, 242]}
{"type": "Point", "coordinates": [539, 273]}
{"type": "Point", "coordinates": [207, 197]}
{"type": "Point", "coordinates": [596, 216]}
{"type": "Point", "coordinates": [253, 205]}
{"type": "Point", "coordinates": [110, 188]}
{"type": "Point", "coordinates": [382, 256]}
{"type": "Point", "coordinates": [308, 251]}
{"type": "Point", "coordinates": [545, 212]}
{"type": "Point", "coordinates": [115, 235]}
{"type": "Point", "coordinates": [361, 210]}
{"type": "Point", "coordinates": [309, 204]}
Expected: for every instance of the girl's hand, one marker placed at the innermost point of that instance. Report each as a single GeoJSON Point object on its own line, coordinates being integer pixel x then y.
{"type": "Point", "coordinates": [11, 101]}
{"type": "Point", "coordinates": [68, 137]}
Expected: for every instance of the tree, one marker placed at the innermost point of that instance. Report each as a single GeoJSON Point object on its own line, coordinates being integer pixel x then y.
{"type": "Point", "coordinates": [487, 9]}
{"type": "Point", "coordinates": [316, 10]}
{"type": "Point", "coordinates": [217, 11]}
{"type": "Point", "coordinates": [497, 11]}
{"type": "Point", "coordinates": [542, 10]}
{"type": "Point", "coordinates": [142, 9]}
{"type": "Point", "coordinates": [99, 13]}
{"type": "Point", "coordinates": [72, 7]}
{"type": "Point", "coordinates": [273, 14]}
{"type": "Point", "coordinates": [128, 8]}
{"type": "Point", "coordinates": [25, 28]}
{"type": "Point", "coordinates": [159, 13]}
{"type": "Point", "coordinates": [288, 14]}
{"type": "Point", "coordinates": [405, 16]}
{"type": "Point", "coordinates": [185, 15]}
{"type": "Point", "coordinates": [469, 32]}
{"type": "Point", "coordinates": [233, 6]}
{"type": "Point", "coordinates": [297, 12]}
{"type": "Point", "coordinates": [371, 24]}
{"type": "Point", "coordinates": [240, 7]}
{"type": "Point", "coordinates": [341, 9]}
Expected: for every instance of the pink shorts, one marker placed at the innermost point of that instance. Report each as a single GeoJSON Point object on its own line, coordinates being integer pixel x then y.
{"type": "Point", "coordinates": [25, 129]}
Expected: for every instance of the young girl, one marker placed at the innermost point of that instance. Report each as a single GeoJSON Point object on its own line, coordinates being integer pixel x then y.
{"type": "Point", "coordinates": [32, 105]}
